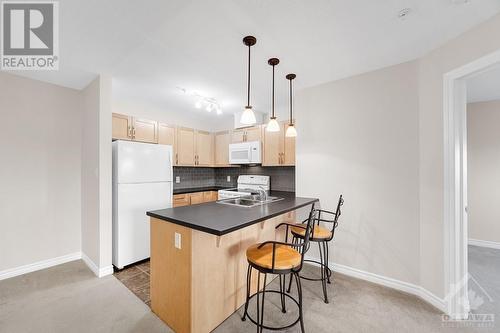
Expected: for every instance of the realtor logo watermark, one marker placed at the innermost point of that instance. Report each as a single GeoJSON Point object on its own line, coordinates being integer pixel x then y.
{"type": "Point", "coordinates": [29, 35]}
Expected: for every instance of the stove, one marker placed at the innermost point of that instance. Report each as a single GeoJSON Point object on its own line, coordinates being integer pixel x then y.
{"type": "Point", "coordinates": [247, 185]}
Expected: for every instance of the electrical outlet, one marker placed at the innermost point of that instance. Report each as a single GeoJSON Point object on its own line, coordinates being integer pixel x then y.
{"type": "Point", "coordinates": [177, 179]}
{"type": "Point", "coordinates": [178, 240]}
{"type": "Point", "coordinates": [228, 179]}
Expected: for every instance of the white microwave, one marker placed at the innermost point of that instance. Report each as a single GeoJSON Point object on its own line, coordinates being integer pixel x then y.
{"type": "Point", "coordinates": [245, 153]}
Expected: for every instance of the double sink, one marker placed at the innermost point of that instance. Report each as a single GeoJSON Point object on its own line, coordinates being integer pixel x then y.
{"type": "Point", "coordinates": [249, 201]}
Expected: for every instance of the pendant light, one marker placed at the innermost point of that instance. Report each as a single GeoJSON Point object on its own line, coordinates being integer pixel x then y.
{"type": "Point", "coordinates": [248, 117]}
{"type": "Point", "coordinates": [273, 125]}
{"type": "Point", "coordinates": [291, 131]}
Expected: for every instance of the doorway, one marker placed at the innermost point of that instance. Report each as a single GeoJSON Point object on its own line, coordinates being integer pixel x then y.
{"type": "Point", "coordinates": [456, 236]}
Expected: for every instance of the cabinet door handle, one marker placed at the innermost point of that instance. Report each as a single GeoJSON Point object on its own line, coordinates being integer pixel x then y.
{"type": "Point", "coordinates": [129, 132]}
{"type": "Point", "coordinates": [133, 132]}
{"type": "Point", "coordinates": [176, 158]}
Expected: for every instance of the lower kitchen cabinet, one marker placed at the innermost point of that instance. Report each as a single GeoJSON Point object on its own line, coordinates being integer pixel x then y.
{"type": "Point", "coordinates": [187, 199]}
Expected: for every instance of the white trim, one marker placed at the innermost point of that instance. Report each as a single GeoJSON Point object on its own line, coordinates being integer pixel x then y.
{"type": "Point", "coordinates": [99, 272]}
{"type": "Point", "coordinates": [483, 243]}
{"type": "Point", "coordinates": [455, 182]}
{"type": "Point", "coordinates": [406, 287]}
{"type": "Point", "coordinates": [12, 272]}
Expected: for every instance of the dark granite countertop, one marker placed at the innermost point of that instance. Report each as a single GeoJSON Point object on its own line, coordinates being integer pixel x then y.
{"type": "Point", "coordinates": [219, 219]}
{"type": "Point", "coordinates": [200, 189]}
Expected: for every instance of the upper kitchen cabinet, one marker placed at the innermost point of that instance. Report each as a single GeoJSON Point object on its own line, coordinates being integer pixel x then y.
{"type": "Point", "coordinates": [273, 147]}
{"type": "Point", "coordinates": [122, 127]}
{"type": "Point", "coordinates": [288, 149]}
{"type": "Point", "coordinates": [222, 140]}
{"type": "Point", "coordinates": [135, 129]}
{"type": "Point", "coordinates": [204, 155]}
{"type": "Point", "coordinates": [279, 150]}
{"type": "Point", "coordinates": [185, 155]}
{"type": "Point", "coordinates": [247, 134]}
{"type": "Point", "coordinates": [145, 130]}
{"type": "Point", "coordinates": [166, 134]}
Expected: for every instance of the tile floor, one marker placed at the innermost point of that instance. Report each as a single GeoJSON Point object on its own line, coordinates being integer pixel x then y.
{"type": "Point", "coordinates": [136, 278]}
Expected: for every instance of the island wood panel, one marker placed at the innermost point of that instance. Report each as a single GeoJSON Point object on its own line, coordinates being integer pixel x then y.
{"type": "Point", "coordinates": [170, 275]}
{"type": "Point", "coordinates": [217, 278]}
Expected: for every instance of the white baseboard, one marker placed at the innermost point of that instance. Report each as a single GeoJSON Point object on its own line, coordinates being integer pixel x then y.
{"type": "Point", "coordinates": [12, 272]}
{"type": "Point", "coordinates": [482, 243]}
{"type": "Point", "coordinates": [99, 272]}
{"type": "Point", "coordinates": [406, 287]}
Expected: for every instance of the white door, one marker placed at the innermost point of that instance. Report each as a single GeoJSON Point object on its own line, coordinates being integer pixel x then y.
{"type": "Point", "coordinates": [143, 162]}
{"type": "Point", "coordinates": [131, 224]}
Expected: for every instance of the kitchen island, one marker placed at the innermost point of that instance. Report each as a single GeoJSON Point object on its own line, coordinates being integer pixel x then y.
{"type": "Point", "coordinates": [198, 258]}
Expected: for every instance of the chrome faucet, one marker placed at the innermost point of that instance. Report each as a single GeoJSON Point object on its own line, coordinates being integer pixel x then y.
{"type": "Point", "coordinates": [262, 193]}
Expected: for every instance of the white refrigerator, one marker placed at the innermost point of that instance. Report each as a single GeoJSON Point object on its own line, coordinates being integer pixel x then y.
{"type": "Point", "coordinates": [142, 181]}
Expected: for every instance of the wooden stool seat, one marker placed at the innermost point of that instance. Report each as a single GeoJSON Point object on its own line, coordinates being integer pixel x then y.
{"type": "Point", "coordinates": [285, 256]}
{"type": "Point", "coordinates": [319, 232]}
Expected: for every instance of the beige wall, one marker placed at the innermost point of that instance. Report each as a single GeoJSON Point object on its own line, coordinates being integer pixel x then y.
{"type": "Point", "coordinates": [359, 137]}
{"type": "Point", "coordinates": [96, 172]}
{"type": "Point", "coordinates": [480, 41]}
{"type": "Point", "coordinates": [356, 136]}
{"type": "Point", "coordinates": [483, 154]}
{"type": "Point", "coordinates": [40, 145]}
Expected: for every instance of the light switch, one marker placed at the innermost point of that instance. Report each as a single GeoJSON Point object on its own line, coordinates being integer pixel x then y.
{"type": "Point", "coordinates": [177, 179]}
{"type": "Point", "coordinates": [178, 241]}
{"type": "Point", "coordinates": [228, 179]}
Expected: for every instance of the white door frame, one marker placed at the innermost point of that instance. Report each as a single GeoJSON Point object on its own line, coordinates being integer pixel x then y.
{"type": "Point", "coordinates": [455, 182]}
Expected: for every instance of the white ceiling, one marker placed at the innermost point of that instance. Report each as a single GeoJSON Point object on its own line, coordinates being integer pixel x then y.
{"type": "Point", "coordinates": [152, 47]}
{"type": "Point", "coordinates": [484, 87]}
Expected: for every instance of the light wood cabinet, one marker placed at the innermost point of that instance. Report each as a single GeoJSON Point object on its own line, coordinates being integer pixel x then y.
{"type": "Point", "coordinates": [204, 155]}
{"type": "Point", "coordinates": [222, 140]}
{"type": "Point", "coordinates": [196, 198]}
{"type": "Point", "coordinates": [288, 149]}
{"type": "Point", "coordinates": [273, 147]}
{"type": "Point", "coordinates": [247, 134]}
{"type": "Point", "coordinates": [187, 199]}
{"type": "Point", "coordinates": [145, 130]}
{"type": "Point", "coordinates": [122, 126]}
{"type": "Point", "coordinates": [180, 200]}
{"type": "Point", "coordinates": [166, 134]}
{"type": "Point", "coordinates": [278, 149]}
{"type": "Point", "coordinates": [135, 129]}
{"type": "Point", "coordinates": [185, 154]}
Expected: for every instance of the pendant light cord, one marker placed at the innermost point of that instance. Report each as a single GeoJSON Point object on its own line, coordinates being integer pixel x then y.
{"type": "Point", "coordinates": [273, 93]}
{"type": "Point", "coordinates": [248, 86]}
{"type": "Point", "coordinates": [291, 121]}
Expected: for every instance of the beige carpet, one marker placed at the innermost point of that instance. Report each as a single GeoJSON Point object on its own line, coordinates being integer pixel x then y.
{"type": "Point", "coordinates": [69, 298]}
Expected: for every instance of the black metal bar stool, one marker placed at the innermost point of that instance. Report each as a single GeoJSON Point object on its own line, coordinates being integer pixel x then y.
{"type": "Point", "coordinates": [322, 236]}
{"type": "Point", "coordinates": [279, 258]}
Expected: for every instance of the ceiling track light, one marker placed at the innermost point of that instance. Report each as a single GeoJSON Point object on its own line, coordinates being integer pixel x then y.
{"type": "Point", "coordinates": [273, 125]}
{"type": "Point", "coordinates": [248, 116]}
{"type": "Point", "coordinates": [291, 131]}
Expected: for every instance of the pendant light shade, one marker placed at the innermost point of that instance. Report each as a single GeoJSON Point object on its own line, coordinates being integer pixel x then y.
{"type": "Point", "coordinates": [291, 131]}
{"type": "Point", "coordinates": [248, 116]}
{"type": "Point", "coordinates": [273, 125]}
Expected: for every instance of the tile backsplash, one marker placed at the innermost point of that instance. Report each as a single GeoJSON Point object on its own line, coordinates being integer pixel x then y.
{"type": "Point", "coordinates": [282, 178]}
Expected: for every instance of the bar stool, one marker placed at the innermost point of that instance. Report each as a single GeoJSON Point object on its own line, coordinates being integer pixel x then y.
{"type": "Point", "coordinates": [281, 258]}
{"type": "Point", "coordinates": [322, 236]}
